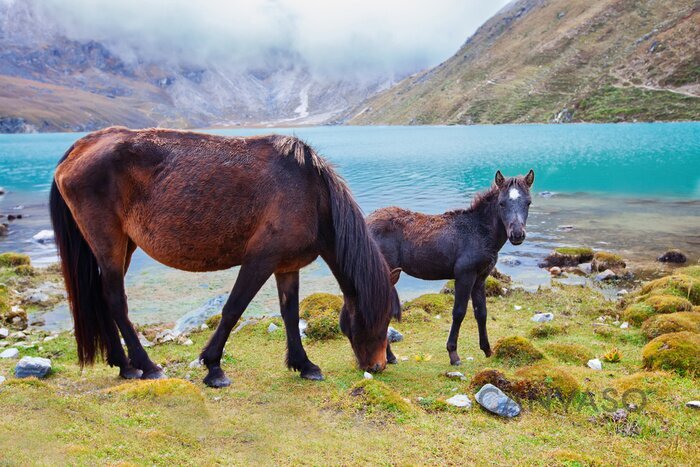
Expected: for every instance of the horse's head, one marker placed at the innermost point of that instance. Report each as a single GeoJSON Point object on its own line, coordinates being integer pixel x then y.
{"type": "Point", "coordinates": [370, 342]}
{"type": "Point", "coordinates": [513, 204]}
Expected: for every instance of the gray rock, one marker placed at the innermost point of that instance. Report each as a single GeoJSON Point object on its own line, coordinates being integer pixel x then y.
{"type": "Point", "coordinates": [693, 404]}
{"type": "Point", "coordinates": [455, 374]}
{"type": "Point", "coordinates": [145, 342]}
{"type": "Point", "coordinates": [606, 275]}
{"type": "Point", "coordinates": [494, 400]}
{"type": "Point", "coordinates": [196, 363]}
{"type": "Point", "coordinates": [10, 353]}
{"type": "Point", "coordinates": [510, 261]}
{"type": "Point", "coordinates": [272, 328]}
{"type": "Point", "coordinates": [460, 400]}
{"type": "Point", "coordinates": [595, 364]}
{"type": "Point", "coordinates": [585, 268]}
{"type": "Point", "coordinates": [37, 297]}
{"type": "Point", "coordinates": [33, 366]}
{"type": "Point", "coordinates": [44, 237]}
{"type": "Point", "coordinates": [393, 335]}
{"type": "Point", "coordinates": [673, 256]}
{"type": "Point", "coordinates": [4, 332]}
{"type": "Point", "coordinates": [542, 317]}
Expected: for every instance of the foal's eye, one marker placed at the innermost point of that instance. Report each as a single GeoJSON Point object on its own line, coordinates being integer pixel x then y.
{"type": "Point", "coordinates": [502, 204]}
{"type": "Point", "coordinates": [529, 203]}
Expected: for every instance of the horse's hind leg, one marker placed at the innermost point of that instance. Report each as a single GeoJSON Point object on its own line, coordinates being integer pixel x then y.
{"type": "Point", "coordinates": [288, 291]}
{"type": "Point", "coordinates": [463, 288]}
{"type": "Point", "coordinates": [251, 278]}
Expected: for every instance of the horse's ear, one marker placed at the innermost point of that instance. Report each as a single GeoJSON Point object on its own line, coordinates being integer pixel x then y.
{"type": "Point", "coordinates": [395, 274]}
{"type": "Point", "coordinates": [530, 178]}
{"type": "Point", "coordinates": [500, 179]}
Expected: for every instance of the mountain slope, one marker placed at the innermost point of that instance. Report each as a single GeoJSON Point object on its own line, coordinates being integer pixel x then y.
{"type": "Point", "coordinates": [559, 60]}
{"type": "Point", "coordinates": [50, 82]}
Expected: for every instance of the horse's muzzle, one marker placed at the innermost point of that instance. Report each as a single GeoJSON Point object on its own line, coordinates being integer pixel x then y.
{"type": "Point", "coordinates": [516, 236]}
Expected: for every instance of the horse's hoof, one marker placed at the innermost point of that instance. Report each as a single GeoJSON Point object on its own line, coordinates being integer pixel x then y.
{"type": "Point", "coordinates": [313, 374]}
{"type": "Point", "coordinates": [488, 353]}
{"type": "Point", "coordinates": [216, 378]}
{"type": "Point", "coordinates": [455, 362]}
{"type": "Point", "coordinates": [154, 374]}
{"type": "Point", "coordinates": [130, 373]}
{"type": "Point", "coordinates": [392, 360]}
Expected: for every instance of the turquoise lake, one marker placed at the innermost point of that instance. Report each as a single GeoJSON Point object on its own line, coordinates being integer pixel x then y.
{"type": "Point", "coordinates": [629, 188]}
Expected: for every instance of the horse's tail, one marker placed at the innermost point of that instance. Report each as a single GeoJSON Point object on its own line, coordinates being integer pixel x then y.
{"type": "Point", "coordinates": [82, 277]}
{"type": "Point", "coordinates": [356, 253]}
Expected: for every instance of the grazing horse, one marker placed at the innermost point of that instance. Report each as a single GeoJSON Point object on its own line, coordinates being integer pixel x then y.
{"type": "Point", "coordinates": [201, 202]}
{"type": "Point", "coordinates": [461, 245]}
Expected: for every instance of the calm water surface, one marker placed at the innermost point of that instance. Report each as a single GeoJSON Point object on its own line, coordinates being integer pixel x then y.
{"type": "Point", "coordinates": [633, 189]}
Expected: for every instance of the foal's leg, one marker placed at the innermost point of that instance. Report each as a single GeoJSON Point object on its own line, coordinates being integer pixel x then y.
{"type": "Point", "coordinates": [479, 304]}
{"type": "Point", "coordinates": [288, 291]}
{"type": "Point", "coordinates": [463, 288]}
{"type": "Point", "coordinates": [251, 278]}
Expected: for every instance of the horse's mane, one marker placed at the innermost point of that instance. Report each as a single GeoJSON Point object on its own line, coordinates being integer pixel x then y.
{"type": "Point", "coordinates": [485, 197]}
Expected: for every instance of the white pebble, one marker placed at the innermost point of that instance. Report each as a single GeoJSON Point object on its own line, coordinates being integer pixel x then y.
{"type": "Point", "coordinates": [368, 375]}
{"type": "Point", "coordinates": [624, 325]}
{"type": "Point", "coordinates": [517, 307]}
{"type": "Point", "coordinates": [595, 364]}
{"type": "Point", "coordinates": [693, 404]}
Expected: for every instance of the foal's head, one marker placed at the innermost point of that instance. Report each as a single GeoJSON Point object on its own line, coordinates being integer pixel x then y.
{"type": "Point", "coordinates": [370, 343]}
{"type": "Point", "coordinates": [513, 204]}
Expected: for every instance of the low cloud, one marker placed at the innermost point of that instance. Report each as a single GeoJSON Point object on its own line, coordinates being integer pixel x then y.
{"type": "Point", "coordinates": [331, 36]}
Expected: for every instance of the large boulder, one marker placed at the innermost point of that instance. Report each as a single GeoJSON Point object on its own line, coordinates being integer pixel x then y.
{"type": "Point", "coordinates": [677, 351]}
{"type": "Point", "coordinates": [494, 400]}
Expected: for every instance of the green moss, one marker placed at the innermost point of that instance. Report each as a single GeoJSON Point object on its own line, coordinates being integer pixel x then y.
{"type": "Point", "coordinates": [674, 322]}
{"type": "Point", "coordinates": [556, 380]}
{"type": "Point", "coordinates": [680, 285]}
{"type": "Point", "coordinates": [11, 259]}
{"type": "Point", "coordinates": [320, 304]}
{"type": "Point", "coordinates": [575, 251]}
{"type": "Point", "coordinates": [494, 287]}
{"type": "Point", "coordinates": [668, 303]}
{"type": "Point", "coordinates": [374, 395]}
{"type": "Point", "coordinates": [432, 303]}
{"type": "Point", "coordinates": [213, 321]}
{"type": "Point", "coordinates": [545, 330]}
{"type": "Point", "coordinates": [323, 326]}
{"type": "Point", "coordinates": [678, 351]}
{"type": "Point", "coordinates": [24, 270]}
{"type": "Point", "coordinates": [569, 353]}
{"type": "Point", "coordinates": [162, 389]}
{"type": "Point", "coordinates": [692, 271]}
{"type": "Point", "coordinates": [5, 305]}
{"type": "Point", "coordinates": [637, 313]}
{"type": "Point", "coordinates": [603, 260]}
{"type": "Point", "coordinates": [490, 376]}
{"type": "Point", "coordinates": [414, 315]}
{"type": "Point", "coordinates": [516, 351]}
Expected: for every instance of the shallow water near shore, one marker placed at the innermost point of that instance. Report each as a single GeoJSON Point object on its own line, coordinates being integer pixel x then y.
{"type": "Point", "coordinates": [633, 189]}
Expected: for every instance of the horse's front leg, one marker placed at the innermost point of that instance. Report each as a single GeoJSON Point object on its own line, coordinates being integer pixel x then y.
{"type": "Point", "coordinates": [479, 304]}
{"type": "Point", "coordinates": [463, 288]}
{"type": "Point", "coordinates": [288, 291]}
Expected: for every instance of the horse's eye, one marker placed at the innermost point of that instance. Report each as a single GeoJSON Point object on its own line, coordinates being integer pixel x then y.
{"type": "Point", "coordinates": [529, 202]}
{"type": "Point", "coordinates": [502, 204]}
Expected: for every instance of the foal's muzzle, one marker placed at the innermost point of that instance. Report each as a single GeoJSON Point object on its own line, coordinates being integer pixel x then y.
{"type": "Point", "coordinates": [516, 235]}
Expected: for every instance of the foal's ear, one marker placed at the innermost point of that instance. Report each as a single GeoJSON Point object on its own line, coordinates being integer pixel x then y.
{"type": "Point", "coordinates": [395, 274]}
{"type": "Point", "coordinates": [530, 178]}
{"type": "Point", "coordinates": [500, 179]}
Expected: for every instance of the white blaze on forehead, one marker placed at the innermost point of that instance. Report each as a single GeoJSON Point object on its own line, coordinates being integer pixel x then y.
{"type": "Point", "coordinates": [514, 193]}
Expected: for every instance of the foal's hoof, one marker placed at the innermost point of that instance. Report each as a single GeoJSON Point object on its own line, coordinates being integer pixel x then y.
{"type": "Point", "coordinates": [130, 373]}
{"type": "Point", "coordinates": [488, 353]}
{"type": "Point", "coordinates": [154, 374]}
{"type": "Point", "coordinates": [312, 373]}
{"type": "Point", "coordinates": [216, 378]}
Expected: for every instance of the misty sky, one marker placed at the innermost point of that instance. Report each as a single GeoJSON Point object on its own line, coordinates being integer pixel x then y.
{"type": "Point", "coordinates": [333, 36]}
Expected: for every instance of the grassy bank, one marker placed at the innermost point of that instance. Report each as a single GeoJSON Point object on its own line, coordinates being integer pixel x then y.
{"type": "Point", "coordinates": [270, 415]}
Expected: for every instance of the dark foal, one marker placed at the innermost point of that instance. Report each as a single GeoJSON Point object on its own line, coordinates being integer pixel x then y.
{"type": "Point", "coordinates": [461, 245]}
{"type": "Point", "coordinates": [201, 202]}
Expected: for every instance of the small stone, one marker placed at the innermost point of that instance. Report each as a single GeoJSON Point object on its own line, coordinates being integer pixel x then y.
{"type": "Point", "coordinates": [606, 275]}
{"type": "Point", "coordinates": [10, 353]}
{"type": "Point", "coordinates": [517, 307]}
{"type": "Point", "coordinates": [272, 328]}
{"type": "Point", "coordinates": [187, 342]}
{"type": "Point", "coordinates": [145, 342]}
{"type": "Point", "coordinates": [546, 194]}
{"type": "Point", "coordinates": [438, 317]}
{"type": "Point", "coordinates": [624, 325]}
{"type": "Point", "coordinates": [50, 338]}
{"type": "Point", "coordinates": [494, 400]}
{"type": "Point", "coordinates": [622, 293]}
{"type": "Point", "coordinates": [565, 228]}
{"type": "Point", "coordinates": [585, 268]}
{"type": "Point", "coordinates": [620, 415]}
{"type": "Point", "coordinates": [542, 317]}
{"type": "Point", "coordinates": [203, 327]}
{"type": "Point", "coordinates": [511, 261]}
{"type": "Point", "coordinates": [368, 375]}
{"type": "Point", "coordinates": [555, 271]}
{"type": "Point", "coordinates": [2, 379]}
{"type": "Point", "coordinates": [460, 400]}
{"type": "Point", "coordinates": [196, 363]}
{"type": "Point", "coordinates": [454, 374]}
{"type": "Point", "coordinates": [404, 359]}
{"type": "Point", "coordinates": [33, 366]}
{"type": "Point", "coordinates": [37, 297]}
{"type": "Point", "coordinates": [673, 256]}
{"type": "Point", "coordinates": [4, 332]}
{"type": "Point", "coordinates": [44, 237]}
{"type": "Point", "coordinates": [19, 335]}
{"type": "Point", "coordinates": [393, 335]}
{"type": "Point", "coordinates": [595, 364]}
{"type": "Point", "coordinates": [693, 404]}
{"type": "Point", "coordinates": [469, 359]}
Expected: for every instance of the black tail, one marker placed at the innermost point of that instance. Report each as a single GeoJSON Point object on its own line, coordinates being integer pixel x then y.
{"type": "Point", "coordinates": [356, 252]}
{"type": "Point", "coordinates": [82, 277]}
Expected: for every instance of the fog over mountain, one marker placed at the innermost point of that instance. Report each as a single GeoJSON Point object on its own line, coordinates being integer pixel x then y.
{"type": "Point", "coordinates": [215, 62]}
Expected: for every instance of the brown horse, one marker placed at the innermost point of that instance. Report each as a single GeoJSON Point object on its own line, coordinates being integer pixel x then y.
{"type": "Point", "coordinates": [200, 202]}
{"type": "Point", "coordinates": [461, 245]}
